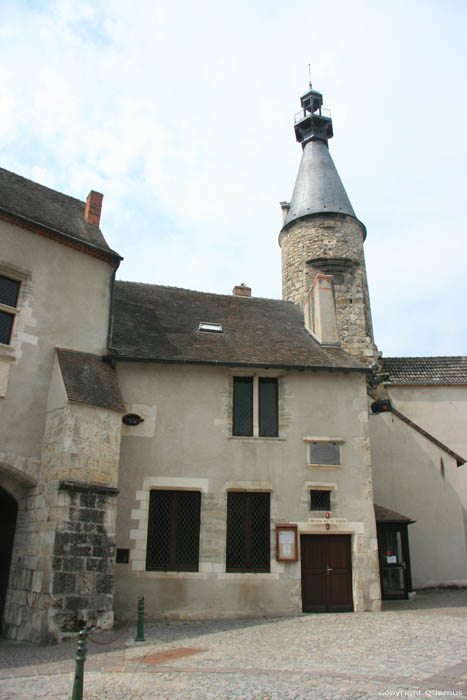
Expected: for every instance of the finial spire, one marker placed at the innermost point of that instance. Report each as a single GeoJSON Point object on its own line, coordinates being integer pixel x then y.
{"type": "Point", "coordinates": [309, 76]}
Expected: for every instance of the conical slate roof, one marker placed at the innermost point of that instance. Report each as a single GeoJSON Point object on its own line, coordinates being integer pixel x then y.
{"type": "Point", "coordinates": [318, 187]}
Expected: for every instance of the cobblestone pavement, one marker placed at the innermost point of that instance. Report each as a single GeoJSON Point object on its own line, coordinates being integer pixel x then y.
{"type": "Point", "coordinates": [411, 649]}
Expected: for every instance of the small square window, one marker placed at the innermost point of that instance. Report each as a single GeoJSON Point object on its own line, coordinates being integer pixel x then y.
{"type": "Point", "coordinates": [320, 500]}
{"type": "Point", "coordinates": [325, 453]}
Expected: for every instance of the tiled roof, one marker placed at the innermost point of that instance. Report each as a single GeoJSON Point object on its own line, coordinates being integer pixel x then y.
{"type": "Point", "coordinates": [41, 206]}
{"type": "Point", "coordinates": [384, 515]}
{"type": "Point", "coordinates": [153, 322]}
{"type": "Point", "coordinates": [89, 379]}
{"type": "Point", "coordinates": [426, 370]}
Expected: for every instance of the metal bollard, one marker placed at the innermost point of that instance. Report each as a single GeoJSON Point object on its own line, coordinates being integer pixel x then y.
{"type": "Point", "coordinates": [77, 693]}
{"type": "Point", "coordinates": [140, 626]}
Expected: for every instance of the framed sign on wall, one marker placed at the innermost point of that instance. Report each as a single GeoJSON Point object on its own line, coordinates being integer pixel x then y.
{"type": "Point", "coordinates": [286, 542]}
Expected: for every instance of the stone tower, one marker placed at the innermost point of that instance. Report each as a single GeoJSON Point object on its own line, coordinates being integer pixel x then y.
{"type": "Point", "coordinates": [322, 239]}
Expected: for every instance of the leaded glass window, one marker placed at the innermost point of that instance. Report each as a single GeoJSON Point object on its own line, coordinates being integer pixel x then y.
{"type": "Point", "coordinates": [173, 531]}
{"type": "Point", "coordinates": [9, 290]}
{"type": "Point", "coordinates": [243, 406]}
{"type": "Point", "coordinates": [255, 406]}
{"type": "Point", "coordinates": [268, 419]}
{"type": "Point", "coordinates": [248, 532]}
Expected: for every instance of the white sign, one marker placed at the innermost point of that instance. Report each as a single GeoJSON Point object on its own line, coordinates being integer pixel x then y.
{"type": "Point", "coordinates": [286, 537]}
{"type": "Point", "coordinates": [323, 521]}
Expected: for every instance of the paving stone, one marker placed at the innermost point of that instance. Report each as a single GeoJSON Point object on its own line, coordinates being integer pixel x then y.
{"type": "Point", "coordinates": [411, 649]}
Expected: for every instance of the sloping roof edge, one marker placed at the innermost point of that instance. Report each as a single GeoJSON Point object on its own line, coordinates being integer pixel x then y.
{"type": "Point", "coordinates": [385, 515]}
{"type": "Point", "coordinates": [460, 460]}
{"type": "Point", "coordinates": [60, 236]}
{"type": "Point", "coordinates": [89, 379]}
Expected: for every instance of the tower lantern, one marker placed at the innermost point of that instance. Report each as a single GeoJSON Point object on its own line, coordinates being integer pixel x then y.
{"type": "Point", "coordinates": [312, 122]}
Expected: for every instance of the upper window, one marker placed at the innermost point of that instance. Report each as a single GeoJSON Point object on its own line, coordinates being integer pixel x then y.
{"type": "Point", "coordinates": [248, 532]}
{"type": "Point", "coordinates": [9, 291]}
{"type": "Point", "coordinates": [173, 531]}
{"type": "Point", "coordinates": [255, 406]}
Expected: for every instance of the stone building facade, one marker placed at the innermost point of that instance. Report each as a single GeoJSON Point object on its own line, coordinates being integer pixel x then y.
{"type": "Point", "coordinates": [214, 453]}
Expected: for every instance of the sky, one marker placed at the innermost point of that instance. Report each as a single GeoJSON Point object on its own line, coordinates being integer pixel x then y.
{"type": "Point", "coordinates": [181, 114]}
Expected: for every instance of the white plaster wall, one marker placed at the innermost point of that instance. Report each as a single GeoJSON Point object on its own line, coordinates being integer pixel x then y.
{"type": "Point", "coordinates": [191, 443]}
{"type": "Point", "coordinates": [64, 301]}
{"type": "Point", "coordinates": [408, 478]}
{"type": "Point", "coordinates": [441, 411]}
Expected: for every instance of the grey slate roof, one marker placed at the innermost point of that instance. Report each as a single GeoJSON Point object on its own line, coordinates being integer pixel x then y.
{"type": "Point", "coordinates": [35, 204]}
{"type": "Point", "coordinates": [426, 370]}
{"type": "Point", "coordinates": [384, 515]}
{"type": "Point", "coordinates": [318, 187]}
{"type": "Point", "coordinates": [89, 379]}
{"type": "Point", "coordinates": [152, 322]}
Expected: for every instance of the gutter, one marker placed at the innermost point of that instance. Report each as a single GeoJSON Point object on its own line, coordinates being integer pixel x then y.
{"type": "Point", "coordinates": [113, 358]}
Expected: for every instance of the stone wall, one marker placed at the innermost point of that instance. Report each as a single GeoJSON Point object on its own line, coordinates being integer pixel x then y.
{"type": "Point", "coordinates": [331, 244]}
{"type": "Point", "coordinates": [63, 559]}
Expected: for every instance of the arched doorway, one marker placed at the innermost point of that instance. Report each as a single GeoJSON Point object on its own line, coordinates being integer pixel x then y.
{"type": "Point", "coordinates": [8, 512]}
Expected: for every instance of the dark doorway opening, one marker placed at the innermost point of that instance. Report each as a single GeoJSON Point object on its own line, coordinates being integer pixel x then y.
{"type": "Point", "coordinates": [326, 573]}
{"type": "Point", "coordinates": [394, 553]}
{"type": "Point", "coordinates": [8, 513]}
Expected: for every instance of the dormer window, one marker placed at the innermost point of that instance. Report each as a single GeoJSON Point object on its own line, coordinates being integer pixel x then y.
{"type": "Point", "coordinates": [210, 327]}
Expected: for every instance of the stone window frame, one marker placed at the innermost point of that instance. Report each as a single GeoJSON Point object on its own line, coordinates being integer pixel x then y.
{"type": "Point", "coordinates": [332, 487]}
{"type": "Point", "coordinates": [256, 376]}
{"type": "Point", "coordinates": [309, 441]}
{"type": "Point", "coordinates": [171, 561]}
{"type": "Point", "coordinates": [138, 535]}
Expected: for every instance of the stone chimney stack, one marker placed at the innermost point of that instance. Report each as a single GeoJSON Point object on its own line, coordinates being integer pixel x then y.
{"type": "Point", "coordinates": [241, 290]}
{"type": "Point", "coordinates": [93, 210]}
{"type": "Point", "coordinates": [320, 311]}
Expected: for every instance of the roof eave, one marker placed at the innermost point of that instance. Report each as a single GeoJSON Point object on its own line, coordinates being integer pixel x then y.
{"type": "Point", "coordinates": [65, 238]}
{"type": "Point", "coordinates": [111, 357]}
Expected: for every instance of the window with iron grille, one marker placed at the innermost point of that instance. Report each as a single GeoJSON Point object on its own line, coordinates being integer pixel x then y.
{"type": "Point", "coordinates": [320, 500]}
{"type": "Point", "coordinates": [248, 532]}
{"type": "Point", "coordinates": [245, 422]}
{"type": "Point", "coordinates": [173, 531]}
{"type": "Point", "coordinates": [9, 290]}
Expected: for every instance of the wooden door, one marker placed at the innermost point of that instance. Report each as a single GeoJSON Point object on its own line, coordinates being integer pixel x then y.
{"type": "Point", "coordinates": [326, 573]}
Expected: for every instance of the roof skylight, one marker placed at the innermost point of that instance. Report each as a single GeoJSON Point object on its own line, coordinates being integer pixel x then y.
{"type": "Point", "coordinates": [210, 327]}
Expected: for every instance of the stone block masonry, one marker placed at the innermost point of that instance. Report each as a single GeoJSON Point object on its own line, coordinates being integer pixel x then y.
{"type": "Point", "coordinates": [331, 244]}
{"type": "Point", "coordinates": [62, 574]}
{"type": "Point", "coordinates": [83, 560]}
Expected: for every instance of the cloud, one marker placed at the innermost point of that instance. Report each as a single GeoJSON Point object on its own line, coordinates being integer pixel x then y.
{"type": "Point", "coordinates": [182, 115]}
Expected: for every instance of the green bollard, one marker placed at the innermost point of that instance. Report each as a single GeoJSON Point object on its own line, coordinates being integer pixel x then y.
{"type": "Point", "coordinates": [140, 626]}
{"type": "Point", "coordinates": [79, 669]}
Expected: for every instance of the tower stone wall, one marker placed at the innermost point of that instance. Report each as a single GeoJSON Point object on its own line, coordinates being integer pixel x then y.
{"type": "Point", "coordinates": [331, 244]}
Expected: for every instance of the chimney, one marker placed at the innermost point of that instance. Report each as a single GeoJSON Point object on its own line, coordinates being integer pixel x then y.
{"type": "Point", "coordinates": [320, 311]}
{"type": "Point", "coordinates": [93, 210]}
{"type": "Point", "coordinates": [241, 290]}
